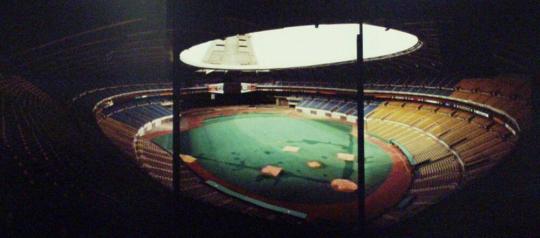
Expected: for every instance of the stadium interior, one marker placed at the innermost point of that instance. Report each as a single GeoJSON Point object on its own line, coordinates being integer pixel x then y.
{"type": "Point", "coordinates": [96, 101]}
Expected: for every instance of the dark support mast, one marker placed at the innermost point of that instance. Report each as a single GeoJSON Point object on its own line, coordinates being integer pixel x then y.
{"type": "Point", "coordinates": [176, 132]}
{"type": "Point", "coordinates": [177, 86]}
{"type": "Point", "coordinates": [359, 77]}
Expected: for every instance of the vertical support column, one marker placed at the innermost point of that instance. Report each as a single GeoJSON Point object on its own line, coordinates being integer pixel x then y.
{"type": "Point", "coordinates": [359, 76]}
{"type": "Point", "coordinates": [177, 86]}
{"type": "Point", "coordinates": [176, 132]}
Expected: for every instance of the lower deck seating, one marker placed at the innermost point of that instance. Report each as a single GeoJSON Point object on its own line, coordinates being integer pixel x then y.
{"type": "Point", "coordinates": [137, 115]}
{"type": "Point", "coordinates": [369, 106]}
{"type": "Point", "coordinates": [331, 105]}
{"type": "Point", "coordinates": [449, 147]}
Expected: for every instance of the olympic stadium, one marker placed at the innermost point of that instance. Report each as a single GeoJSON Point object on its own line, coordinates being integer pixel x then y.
{"type": "Point", "coordinates": [214, 118]}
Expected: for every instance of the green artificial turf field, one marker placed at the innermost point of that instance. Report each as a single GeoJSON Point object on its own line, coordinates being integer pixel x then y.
{"type": "Point", "coordinates": [235, 148]}
{"type": "Point", "coordinates": [377, 166]}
